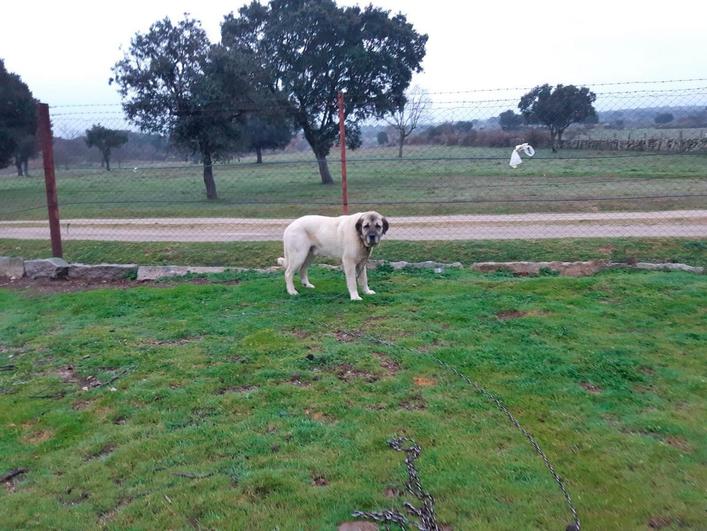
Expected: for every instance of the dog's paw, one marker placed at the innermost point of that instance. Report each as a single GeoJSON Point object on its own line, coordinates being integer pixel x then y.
{"type": "Point", "coordinates": [293, 293]}
{"type": "Point", "coordinates": [370, 292]}
{"type": "Point", "coordinates": [356, 298]}
{"type": "Point", "coordinates": [309, 285]}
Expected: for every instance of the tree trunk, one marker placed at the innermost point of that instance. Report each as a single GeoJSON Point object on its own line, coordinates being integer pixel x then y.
{"type": "Point", "coordinates": [106, 158]}
{"type": "Point", "coordinates": [320, 153]}
{"type": "Point", "coordinates": [18, 165]}
{"type": "Point", "coordinates": [553, 136]}
{"type": "Point", "coordinates": [324, 170]}
{"type": "Point", "coordinates": [259, 155]}
{"type": "Point", "coordinates": [401, 141]}
{"type": "Point", "coordinates": [25, 166]}
{"type": "Point", "coordinates": [209, 177]}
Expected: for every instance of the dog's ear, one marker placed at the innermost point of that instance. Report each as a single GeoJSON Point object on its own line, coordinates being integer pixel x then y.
{"type": "Point", "coordinates": [385, 225]}
{"type": "Point", "coordinates": [359, 225]}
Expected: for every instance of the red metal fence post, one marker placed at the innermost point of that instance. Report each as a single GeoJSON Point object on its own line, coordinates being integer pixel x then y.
{"type": "Point", "coordinates": [342, 143]}
{"type": "Point", "coordinates": [44, 132]}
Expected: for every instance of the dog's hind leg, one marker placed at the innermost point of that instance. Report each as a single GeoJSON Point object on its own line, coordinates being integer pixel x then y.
{"type": "Point", "coordinates": [295, 258]}
{"type": "Point", "coordinates": [303, 269]}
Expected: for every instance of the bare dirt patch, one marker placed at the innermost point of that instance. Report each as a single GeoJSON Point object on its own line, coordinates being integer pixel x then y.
{"type": "Point", "coordinates": [38, 437]}
{"type": "Point", "coordinates": [81, 405]}
{"type": "Point", "coordinates": [424, 381]}
{"type": "Point", "coordinates": [319, 416]}
{"type": "Point", "coordinates": [390, 365]}
{"type": "Point", "coordinates": [591, 388]}
{"type": "Point", "coordinates": [102, 452]}
{"type": "Point", "coordinates": [659, 522]}
{"type": "Point", "coordinates": [344, 337]}
{"type": "Point", "coordinates": [68, 374]}
{"type": "Point", "coordinates": [414, 403]}
{"type": "Point", "coordinates": [108, 516]}
{"type": "Point", "coordinates": [648, 371]}
{"type": "Point", "coordinates": [505, 315]}
{"type": "Point", "coordinates": [50, 286]}
{"type": "Point", "coordinates": [319, 480]}
{"type": "Point", "coordinates": [10, 478]}
{"type": "Point", "coordinates": [679, 443]}
{"type": "Point", "coordinates": [296, 379]}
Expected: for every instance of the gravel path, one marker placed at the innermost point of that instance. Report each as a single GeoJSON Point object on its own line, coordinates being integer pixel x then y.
{"type": "Point", "coordinates": [676, 223]}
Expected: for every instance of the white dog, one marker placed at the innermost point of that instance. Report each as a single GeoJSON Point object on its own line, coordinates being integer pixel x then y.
{"type": "Point", "coordinates": [348, 238]}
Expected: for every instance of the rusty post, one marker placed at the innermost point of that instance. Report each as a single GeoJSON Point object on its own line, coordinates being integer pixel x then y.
{"type": "Point", "coordinates": [342, 143]}
{"type": "Point", "coordinates": [44, 132]}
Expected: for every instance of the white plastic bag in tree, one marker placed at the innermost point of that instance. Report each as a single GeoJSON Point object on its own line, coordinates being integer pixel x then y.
{"type": "Point", "coordinates": [515, 156]}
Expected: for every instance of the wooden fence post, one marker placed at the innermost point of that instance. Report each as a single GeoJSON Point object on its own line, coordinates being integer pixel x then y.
{"type": "Point", "coordinates": [44, 132]}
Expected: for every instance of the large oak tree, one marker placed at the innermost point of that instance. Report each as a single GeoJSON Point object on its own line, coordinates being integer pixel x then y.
{"type": "Point", "coordinates": [558, 108]}
{"type": "Point", "coordinates": [312, 49]}
{"type": "Point", "coordinates": [18, 115]}
{"type": "Point", "coordinates": [174, 82]}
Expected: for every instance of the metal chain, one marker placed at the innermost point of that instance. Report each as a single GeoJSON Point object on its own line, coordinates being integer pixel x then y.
{"type": "Point", "coordinates": [425, 515]}
{"type": "Point", "coordinates": [575, 525]}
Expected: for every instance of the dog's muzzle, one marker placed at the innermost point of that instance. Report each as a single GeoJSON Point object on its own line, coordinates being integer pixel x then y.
{"type": "Point", "coordinates": [371, 240]}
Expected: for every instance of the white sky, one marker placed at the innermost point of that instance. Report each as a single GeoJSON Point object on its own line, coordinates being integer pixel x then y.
{"type": "Point", "coordinates": [64, 50]}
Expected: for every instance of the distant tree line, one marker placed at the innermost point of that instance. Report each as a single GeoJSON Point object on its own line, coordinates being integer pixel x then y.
{"type": "Point", "coordinates": [555, 109]}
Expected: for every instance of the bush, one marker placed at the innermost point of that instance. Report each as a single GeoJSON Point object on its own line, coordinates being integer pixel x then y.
{"type": "Point", "coordinates": [446, 135]}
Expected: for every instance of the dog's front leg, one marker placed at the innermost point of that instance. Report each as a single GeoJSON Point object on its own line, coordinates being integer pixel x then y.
{"type": "Point", "coordinates": [363, 279]}
{"type": "Point", "coordinates": [350, 272]}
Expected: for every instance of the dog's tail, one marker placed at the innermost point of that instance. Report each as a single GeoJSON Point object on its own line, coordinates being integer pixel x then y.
{"type": "Point", "coordinates": [281, 262]}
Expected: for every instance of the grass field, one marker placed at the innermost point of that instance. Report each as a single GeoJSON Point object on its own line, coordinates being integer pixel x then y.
{"type": "Point", "coordinates": [430, 180]}
{"type": "Point", "coordinates": [229, 405]}
{"type": "Point", "coordinates": [264, 254]}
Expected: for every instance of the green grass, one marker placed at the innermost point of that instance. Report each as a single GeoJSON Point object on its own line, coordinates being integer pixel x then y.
{"type": "Point", "coordinates": [255, 395]}
{"type": "Point", "coordinates": [430, 180]}
{"type": "Point", "coordinates": [263, 254]}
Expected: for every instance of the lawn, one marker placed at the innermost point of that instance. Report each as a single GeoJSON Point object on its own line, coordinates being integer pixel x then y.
{"type": "Point", "coordinates": [429, 180]}
{"type": "Point", "coordinates": [229, 405]}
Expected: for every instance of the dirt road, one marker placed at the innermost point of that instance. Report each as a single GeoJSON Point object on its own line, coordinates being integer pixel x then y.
{"type": "Point", "coordinates": [676, 223]}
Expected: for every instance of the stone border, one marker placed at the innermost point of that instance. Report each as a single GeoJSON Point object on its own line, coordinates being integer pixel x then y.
{"type": "Point", "coordinates": [57, 268]}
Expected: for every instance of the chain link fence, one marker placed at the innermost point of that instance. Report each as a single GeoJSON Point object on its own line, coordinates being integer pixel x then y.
{"type": "Point", "coordinates": [639, 169]}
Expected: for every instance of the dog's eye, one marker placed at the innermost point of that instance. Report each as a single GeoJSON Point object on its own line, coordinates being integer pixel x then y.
{"type": "Point", "coordinates": [366, 226]}
{"type": "Point", "coordinates": [378, 225]}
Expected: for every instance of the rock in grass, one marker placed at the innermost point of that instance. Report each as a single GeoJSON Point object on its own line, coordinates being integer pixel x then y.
{"type": "Point", "coordinates": [101, 272]}
{"type": "Point", "coordinates": [12, 266]}
{"type": "Point", "coordinates": [46, 268]}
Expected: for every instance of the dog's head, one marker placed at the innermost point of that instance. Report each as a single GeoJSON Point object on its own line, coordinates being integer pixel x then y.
{"type": "Point", "coordinates": [371, 226]}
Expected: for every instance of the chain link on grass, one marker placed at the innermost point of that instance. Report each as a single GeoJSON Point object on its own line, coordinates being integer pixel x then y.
{"type": "Point", "coordinates": [575, 525]}
{"type": "Point", "coordinates": [425, 514]}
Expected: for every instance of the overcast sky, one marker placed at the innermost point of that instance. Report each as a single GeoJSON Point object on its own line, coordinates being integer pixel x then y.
{"type": "Point", "coordinates": [64, 50]}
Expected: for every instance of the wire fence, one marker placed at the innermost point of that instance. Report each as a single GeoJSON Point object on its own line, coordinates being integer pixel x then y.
{"type": "Point", "coordinates": [638, 169]}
